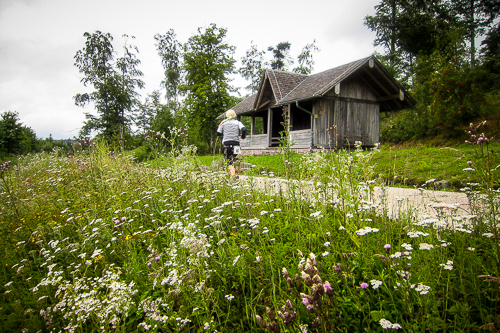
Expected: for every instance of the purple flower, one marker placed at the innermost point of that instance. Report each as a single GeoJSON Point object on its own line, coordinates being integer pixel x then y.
{"type": "Point", "coordinates": [289, 304]}
{"type": "Point", "coordinates": [149, 264]}
{"type": "Point", "coordinates": [364, 285]}
{"type": "Point", "coordinates": [124, 219]}
{"type": "Point", "coordinates": [469, 163]}
{"type": "Point", "coordinates": [305, 301]}
{"type": "Point", "coordinates": [157, 258]}
{"type": "Point", "coordinates": [328, 288]}
{"type": "Point", "coordinates": [310, 308]}
{"type": "Point", "coordinates": [387, 246]}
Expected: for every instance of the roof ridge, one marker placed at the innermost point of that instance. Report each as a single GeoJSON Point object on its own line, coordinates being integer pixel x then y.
{"type": "Point", "coordinates": [298, 85]}
{"type": "Point", "coordinates": [286, 72]}
{"type": "Point", "coordinates": [278, 85]}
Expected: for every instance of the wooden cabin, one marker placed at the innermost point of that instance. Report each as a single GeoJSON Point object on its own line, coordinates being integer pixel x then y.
{"type": "Point", "coordinates": [331, 109]}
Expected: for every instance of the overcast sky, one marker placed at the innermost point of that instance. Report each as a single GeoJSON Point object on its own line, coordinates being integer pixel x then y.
{"type": "Point", "coordinates": [39, 39]}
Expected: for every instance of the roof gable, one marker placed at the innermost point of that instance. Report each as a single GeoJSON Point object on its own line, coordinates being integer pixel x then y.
{"type": "Point", "coordinates": [276, 84]}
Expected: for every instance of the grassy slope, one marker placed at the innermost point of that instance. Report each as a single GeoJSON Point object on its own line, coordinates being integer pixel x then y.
{"type": "Point", "coordinates": [395, 163]}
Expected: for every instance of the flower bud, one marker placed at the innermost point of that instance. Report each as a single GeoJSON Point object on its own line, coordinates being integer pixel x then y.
{"type": "Point", "coordinates": [270, 314]}
{"type": "Point", "coordinates": [309, 268]}
{"type": "Point", "coordinates": [290, 282]}
{"type": "Point", "coordinates": [273, 327]}
{"type": "Point", "coordinates": [260, 321]}
{"type": "Point", "coordinates": [317, 279]}
{"type": "Point", "coordinates": [308, 281]}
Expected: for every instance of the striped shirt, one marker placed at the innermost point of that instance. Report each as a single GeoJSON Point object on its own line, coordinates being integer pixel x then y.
{"type": "Point", "coordinates": [230, 129]}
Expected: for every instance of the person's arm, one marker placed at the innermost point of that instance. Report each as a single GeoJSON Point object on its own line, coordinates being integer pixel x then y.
{"type": "Point", "coordinates": [243, 130]}
{"type": "Point", "coordinates": [219, 130]}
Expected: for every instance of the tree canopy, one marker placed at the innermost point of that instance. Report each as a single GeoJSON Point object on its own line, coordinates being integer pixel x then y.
{"type": "Point", "coordinates": [114, 84]}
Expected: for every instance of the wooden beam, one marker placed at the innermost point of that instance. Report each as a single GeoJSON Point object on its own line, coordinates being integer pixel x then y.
{"type": "Point", "coordinates": [261, 93]}
{"type": "Point", "coordinates": [382, 87]}
{"type": "Point", "coordinates": [386, 98]}
{"type": "Point", "coordinates": [252, 125]}
{"type": "Point", "coordinates": [263, 104]}
{"type": "Point", "coordinates": [369, 85]}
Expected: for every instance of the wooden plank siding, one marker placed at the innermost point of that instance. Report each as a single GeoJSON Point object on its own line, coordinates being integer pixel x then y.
{"type": "Point", "coordinates": [352, 115]}
{"type": "Point", "coordinates": [257, 141]}
{"type": "Point", "coordinates": [301, 139]}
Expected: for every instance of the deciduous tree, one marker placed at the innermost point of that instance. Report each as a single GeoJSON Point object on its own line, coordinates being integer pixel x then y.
{"type": "Point", "coordinates": [253, 65]}
{"type": "Point", "coordinates": [114, 84]}
{"type": "Point", "coordinates": [305, 59]}
{"type": "Point", "coordinates": [281, 56]}
{"type": "Point", "coordinates": [170, 51]}
{"type": "Point", "coordinates": [208, 62]}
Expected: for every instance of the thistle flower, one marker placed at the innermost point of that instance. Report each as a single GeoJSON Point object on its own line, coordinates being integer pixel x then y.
{"type": "Point", "coordinates": [328, 288]}
{"type": "Point", "coordinates": [364, 285]}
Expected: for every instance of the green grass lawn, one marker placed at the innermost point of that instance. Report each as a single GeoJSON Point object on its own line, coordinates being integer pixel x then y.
{"type": "Point", "coordinates": [393, 165]}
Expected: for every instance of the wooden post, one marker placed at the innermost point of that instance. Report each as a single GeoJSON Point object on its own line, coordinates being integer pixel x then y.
{"type": "Point", "coordinates": [269, 126]}
{"type": "Point", "coordinates": [252, 125]}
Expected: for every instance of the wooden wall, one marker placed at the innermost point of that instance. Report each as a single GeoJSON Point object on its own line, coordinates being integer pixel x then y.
{"type": "Point", "coordinates": [258, 141]}
{"type": "Point", "coordinates": [301, 139]}
{"type": "Point", "coordinates": [352, 115]}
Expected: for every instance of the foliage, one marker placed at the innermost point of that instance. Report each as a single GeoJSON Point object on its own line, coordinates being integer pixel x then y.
{"type": "Point", "coordinates": [477, 17]}
{"type": "Point", "coordinates": [410, 29]}
{"type": "Point", "coordinates": [305, 59]}
{"type": "Point", "coordinates": [253, 65]}
{"type": "Point", "coordinates": [449, 91]}
{"type": "Point", "coordinates": [147, 111]}
{"type": "Point", "coordinates": [208, 61]}
{"type": "Point", "coordinates": [491, 60]}
{"type": "Point", "coordinates": [169, 50]}
{"type": "Point", "coordinates": [281, 56]}
{"type": "Point", "coordinates": [114, 84]}
{"type": "Point", "coordinates": [14, 137]}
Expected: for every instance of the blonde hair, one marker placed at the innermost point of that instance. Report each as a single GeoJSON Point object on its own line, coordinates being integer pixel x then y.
{"type": "Point", "coordinates": [230, 114]}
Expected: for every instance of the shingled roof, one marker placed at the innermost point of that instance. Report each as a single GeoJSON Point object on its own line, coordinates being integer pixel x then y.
{"type": "Point", "coordinates": [321, 83]}
{"type": "Point", "coordinates": [282, 82]}
{"type": "Point", "coordinates": [289, 87]}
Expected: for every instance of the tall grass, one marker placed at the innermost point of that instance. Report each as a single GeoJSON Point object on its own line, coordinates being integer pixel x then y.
{"type": "Point", "coordinates": [100, 243]}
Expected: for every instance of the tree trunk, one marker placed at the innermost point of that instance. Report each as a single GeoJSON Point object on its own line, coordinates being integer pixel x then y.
{"type": "Point", "coordinates": [472, 34]}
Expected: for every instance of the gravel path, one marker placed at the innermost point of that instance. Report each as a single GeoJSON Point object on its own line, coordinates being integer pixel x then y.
{"type": "Point", "coordinates": [398, 200]}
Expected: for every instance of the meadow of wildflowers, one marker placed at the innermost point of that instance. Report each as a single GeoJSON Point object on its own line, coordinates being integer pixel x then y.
{"type": "Point", "coordinates": [98, 242]}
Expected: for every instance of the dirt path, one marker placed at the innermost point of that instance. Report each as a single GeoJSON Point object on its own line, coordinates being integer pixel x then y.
{"type": "Point", "coordinates": [393, 200]}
